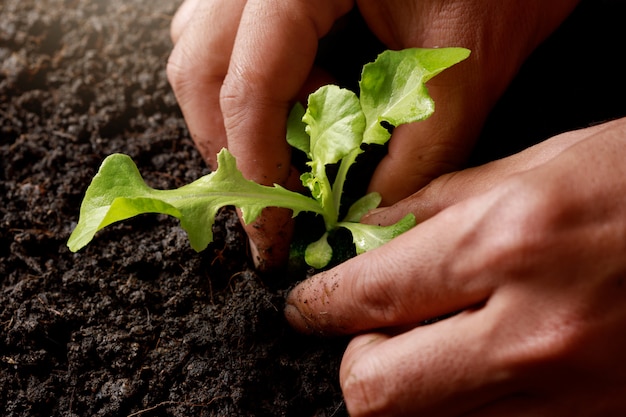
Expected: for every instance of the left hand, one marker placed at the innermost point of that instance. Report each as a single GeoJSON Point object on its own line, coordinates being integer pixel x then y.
{"type": "Point", "coordinates": [527, 255]}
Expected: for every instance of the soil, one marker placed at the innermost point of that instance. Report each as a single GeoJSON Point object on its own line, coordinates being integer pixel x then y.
{"type": "Point", "coordinates": [137, 323]}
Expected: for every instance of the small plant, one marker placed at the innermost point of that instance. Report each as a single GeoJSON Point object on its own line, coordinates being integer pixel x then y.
{"type": "Point", "coordinates": [330, 131]}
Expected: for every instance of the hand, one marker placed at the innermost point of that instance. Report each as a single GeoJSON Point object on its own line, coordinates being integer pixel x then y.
{"type": "Point", "coordinates": [237, 66]}
{"type": "Point", "coordinates": [526, 259]}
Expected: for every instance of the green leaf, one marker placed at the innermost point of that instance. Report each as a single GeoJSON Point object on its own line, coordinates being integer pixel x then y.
{"type": "Point", "coordinates": [360, 207]}
{"type": "Point", "coordinates": [367, 237]}
{"type": "Point", "coordinates": [334, 122]}
{"type": "Point", "coordinates": [393, 87]}
{"type": "Point", "coordinates": [319, 253]}
{"type": "Point", "coordinates": [118, 192]}
{"type": "Point", "coordinates": [296, 130]}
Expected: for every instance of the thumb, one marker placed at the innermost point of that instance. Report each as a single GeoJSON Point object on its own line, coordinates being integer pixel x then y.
{"type": "Point", "coordinates": [500, 40]}
{"type": "Point", "coordinates": [454, 187]}
{"type": "Point", "coordinates": [421, 151]}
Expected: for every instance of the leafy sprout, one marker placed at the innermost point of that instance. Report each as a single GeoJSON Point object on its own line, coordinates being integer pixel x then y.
{"type": "Point", "coordinates": [330, 130]}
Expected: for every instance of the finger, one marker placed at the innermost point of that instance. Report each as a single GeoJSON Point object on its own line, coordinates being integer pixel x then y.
{"type": "Point", "coordinates": [205, 32]}
{"type": "Point", "coordinates": [452, 188]}
{"type": "Point", "coordinates": [272, 60]}
{"type": "Point", "coordinates": [422, 274]}
{"type": "Point", "coordinates": [270, 235]}
{"type": "Point", "coordinates": [444, 369]}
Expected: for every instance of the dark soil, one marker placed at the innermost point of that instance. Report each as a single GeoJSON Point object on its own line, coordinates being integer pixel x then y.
{"type": "Point", "coordinates": [136, 324]}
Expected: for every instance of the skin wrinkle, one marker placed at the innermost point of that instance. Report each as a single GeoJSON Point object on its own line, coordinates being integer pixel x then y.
{"type": "Point", "coordinates": [444, 26]}
{"type": "Point", "coordinates": [548, 349]}
{"type": "Point", "coordinates": [514, 190]}
{"type": "Point", "coordinates": [379, 298]}
{"type": "Point", "coordinates": [440, 162]}
{"type": "Point", "coordinates": [355, 378]}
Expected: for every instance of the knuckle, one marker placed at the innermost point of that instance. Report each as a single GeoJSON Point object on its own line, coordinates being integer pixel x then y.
{"type": "Point", "coordinates": [520, 225]}
{"type": "Point", "coordinates": [555, 343]}
{"type": "Point", "coordinates": [191, 72]}
{"type": "Point", "coordinates": [376, 292]}
{"type": "Point", "coordinates": [517, 224]}
{"type": "Point", "coordinates": [178, 70]}
{"type": "Point", "coordinates": [235, 99]}
{"type": "Point", "coordinates": [246, 94]}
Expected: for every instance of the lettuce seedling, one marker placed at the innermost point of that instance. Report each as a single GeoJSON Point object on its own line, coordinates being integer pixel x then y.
{"type": "Point", "coordinates": [330, 131]}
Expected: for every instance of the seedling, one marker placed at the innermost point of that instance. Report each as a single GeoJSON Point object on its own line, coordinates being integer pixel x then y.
{"type": "Point", "coordinates": [330, 131]}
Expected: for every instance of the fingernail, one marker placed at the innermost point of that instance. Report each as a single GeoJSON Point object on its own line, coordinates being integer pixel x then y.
{"type": "Point", "coordinates": [296, 319]}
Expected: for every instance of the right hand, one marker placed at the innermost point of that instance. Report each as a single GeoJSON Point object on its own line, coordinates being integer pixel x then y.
{"type": "Point", "coordinates": [237, 67]}
{"type": "Point", "coordinates": [525, 258]}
